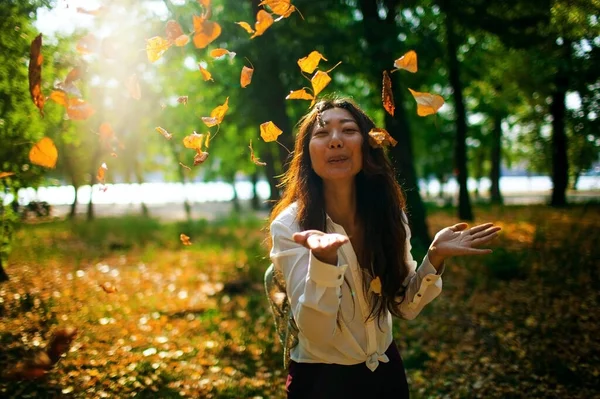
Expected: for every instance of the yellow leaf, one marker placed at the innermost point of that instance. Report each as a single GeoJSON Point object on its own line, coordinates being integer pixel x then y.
{"type": "Point", "coordinates": [379, 138]}
{"type": "Point", "coordinates": [194, 141]}
{"type": "Point", "coordinates": [102, 173]}
{"type": "Point", "coordinates": [182, 40]}
{"type": "Point", "coordinates": [246, 76]}
{"type": "Point", "coordinates": [207, 139]}
{"type": "Point", "coordinates": [246, 27]}
{"type": "Point", "coordinates": [309, 63]}
{"type": "Point", "coordinates": [164, 132]}
{"type": "Point", "coordinates": [407, 62]}
{"type": "Point", "coordinates": [44, 153]}
{"type": "Point", "coordinates": [319, 81]}
{"type": "Point", "coordinates": [185, 240]}
{"type": "Point", "coordinates": [427, 103]}
{"type": "Point", "coordinates": [205, 74]}
{"type": "Point", "coordinates": [299, 95]}
{"type": "Point", "coordinates": [263, 21]}
{"type": "Point", "coordinates": [60, 97]}
{"type": "Point", "coordinates": [205, 31]}
{"type": "Point", "coordinates": [279, 7]}
{"type": "Point", "coordinates": [375, 285]}
{"type": "Point", "coordinates": [155, 48]}
{"type": "Point", "coordinates": [217, 114]}
{"type": "Point", "coordinates": [269, 131]}
{"type": "Point", "coordinates": [254, 159]}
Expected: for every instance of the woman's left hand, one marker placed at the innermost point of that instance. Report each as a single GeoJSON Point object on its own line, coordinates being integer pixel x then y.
{"type": "Point", "coordinates": [458, 240]}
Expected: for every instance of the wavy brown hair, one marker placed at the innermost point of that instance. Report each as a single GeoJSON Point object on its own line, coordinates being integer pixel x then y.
{"type": "Point", "coordinates": [380, 205]}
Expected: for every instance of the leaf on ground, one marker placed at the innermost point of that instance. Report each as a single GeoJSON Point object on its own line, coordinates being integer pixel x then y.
{"type": "Point", "coordinates": [253, 158]}
{"type": "Point", "coordinates": [205, 31]}
{"type": "Point", "coordinates": [35, 73]}
{"type": "Point", "coordinates": [269, 131]}
{"type": "Point", "coordinates": [407, 62]}
{"type": "Point", "coordinates": [309, 63]}
{"type": "Point", "coordinates": [44, 153]}
{"type": "Point", "coordinates": [387, 95]}
{"type": "Point", "coordinates": [427, 103]}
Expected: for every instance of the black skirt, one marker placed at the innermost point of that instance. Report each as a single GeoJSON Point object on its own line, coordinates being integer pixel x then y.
{"type": "Point", "coordinates": [320, 380]}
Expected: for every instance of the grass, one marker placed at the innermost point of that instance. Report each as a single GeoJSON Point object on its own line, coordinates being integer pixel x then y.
{"type": "Point", "coordinates": [192, 321]}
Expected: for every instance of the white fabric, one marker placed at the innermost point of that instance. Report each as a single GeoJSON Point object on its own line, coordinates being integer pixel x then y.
{"type": "Point", "coordinates": [317, 293]}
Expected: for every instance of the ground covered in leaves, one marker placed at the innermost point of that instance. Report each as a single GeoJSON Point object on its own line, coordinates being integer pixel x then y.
{"type": "Point", "coordinates": [156, 318]}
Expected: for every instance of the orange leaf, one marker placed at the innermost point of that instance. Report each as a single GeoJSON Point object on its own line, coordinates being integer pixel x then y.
{"type": "Point", "coordinates": [87, 44]}
{"type": "Point", "coordinates": [319, 81]}
{"type": "Point", "coordinates": [60, 97]}
{"type": "Point", "coordinates": [263, 21]}
{"type": "Point", "coordinates": [378, 138]}
{"type": "Point", "coordinates": [246, 76]}
{"type": "Point", "coordinates": [35, 73]}
{"type": "Point", "coordinates": [108, 288]}
{"type": "Point", "coordinates": [79, 110]}
{"type": "Point", "coordinates": [162, 131]}
{"type": "Point", "coordinates": [309, 63]}
{"type": "Point", "coordinates": [254, 159]}
{"type": "Point", "coordinates": [279, 7]}
{"type": "Point", "coordinates": [205, 74]}
{"type": "Point", "coordinates": [44, 153]}
{"type": "Point", "coordinates": [133, 87]}
{"type": "Point", "coordinates": [375, 285]}
{"type": "Point", "coordinates": [106, 132]}
{"type": "Point", "coordinates": [407, 62]}
{"type": "Point", "coordinates": [102, 173]}
{"type": "Point", "coordinates": [185, 239]}
{"type": "Point", "coordinates": [156, 47]}
{"type": "Point", "coordinates": [387, 96]}
{"type": "Point", "coordinates": [217, 114]}
{"type": "Point", "coordinates": [246, 27]}
{"type": "Point", "coordinates": [220, 52]}
{"type": "Point", "coordinates": [299, 95]}
{"type": "Point", "coordinates": [200, 157]}
{"type": "Point", "coordinates": [73, 75]}
{"type": "Point", "coordinates": [204, 3]}
{"type": "Point", "coordinates": [182, 100]}
{"type": "Point", "coordinates": [205, 31]}
{"type": "Point", "coordinates": [182, 40]}
{"type": "Point", "coordinates": [194, 141]}
{"type": "Point", "coordinates": [269, 131]}
{"type": "Point", "coordinates": [95, 13]}
{"type": "Point", "coordinates": [427, 103]}
{"type": "Point", "coordinates": [6, 174]}
{"type": "Point", "coordinates": [173, 31]}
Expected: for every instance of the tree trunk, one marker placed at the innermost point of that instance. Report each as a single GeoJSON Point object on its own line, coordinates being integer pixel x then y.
{"type": "Point", "coordinates": [140, 180]}
{"type": "Point", "coordinates": [3, 275]}
{"type": "Point", "coordinates": [496, 156]}
{"type": "Point", "coordinates": [379, 41]}
{"type": "Point", "coordinates": [560, 163]}
{"type": "Point", "coordinates": [73, 210]}
{"type": "Point", "coordinates": [465, 212]}
{"type": "Point", "coordinates": [255, 201]}
{"type": "Point", "coordinates": [93, 173]}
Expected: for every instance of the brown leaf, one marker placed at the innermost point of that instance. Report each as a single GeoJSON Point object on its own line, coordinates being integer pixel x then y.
{"type": "Point", "coordinates": [44, 153]}
{"type": "Point", "coordinates": [427, 103]}
{"type": "Point", "coordinates": [254, 159]}
{"type": "Point", "coordinates": [269, 131]}
{"type": "Point", "coordinates": [309, 63]}
{"type": "Point", "coordinates": [35, 73]}
{"type": "Point", "coordinates": [246, 76]}
{"type": "Point", "coordinates": [205, 31]}
{"type": "Point", "coordinates": [185, 166]}
{"type": "Point", "coordinates": [387, 96]}
{"type": "Point", "coordinates": [185, 239]}
{"type": "Point", "coordinates": [173, 30]}
{"type": "Point", "coordinates": [200, 157]}
{"type": "Point", "coordinates": [108, 287]}
{"type": "Point", "coordinates": [407, 62]}
{"type": "Point", "coordinates": [378, 138]}
{"type": "Point", "coordinates": [182, 100]}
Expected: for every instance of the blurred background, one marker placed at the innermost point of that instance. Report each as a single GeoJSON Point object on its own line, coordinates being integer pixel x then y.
{"type": "Point", "coordinates": [516, 142]}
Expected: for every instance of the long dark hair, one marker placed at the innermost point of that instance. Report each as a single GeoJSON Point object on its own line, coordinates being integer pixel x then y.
{"type": "Point", "coordinates": [380, 204]}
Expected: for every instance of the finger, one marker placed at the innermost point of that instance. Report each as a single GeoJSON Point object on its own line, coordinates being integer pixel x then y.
{"type": "Point", "coordinates": [486, 232]}
{"type": "Point", "coordinates": [478, 251]}
{"type": "Point", "coordinates": [459, 227]}
{"type": "Point", "coordinates": [302, 236]}
{"type": "Point", "coordinates": [481, 227]}
{"type": "Point", "coordinates": [484, 240]}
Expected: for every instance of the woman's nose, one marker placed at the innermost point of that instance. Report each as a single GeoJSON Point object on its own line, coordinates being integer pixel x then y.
{"type": "Point", "coordinates": [336, 141]}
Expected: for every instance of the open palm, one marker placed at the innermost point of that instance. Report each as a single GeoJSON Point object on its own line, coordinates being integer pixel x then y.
{"type": "Point", "coordinates": [458, 240]}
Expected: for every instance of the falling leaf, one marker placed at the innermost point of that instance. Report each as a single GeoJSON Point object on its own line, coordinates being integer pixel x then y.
{"type": "Point", "coordinates": [35, 73]}
{"type": "Point", "coordinates": [182, 100]}
{"type": "Point", "coordinates": [106, 132]}
{"type": "Point", "coordinates": [68, 86]}
{"type": "Point", "coordinates": [185, 166]}
{"type": "Point", "coordinates": [95, 13]}
{"type": "Point", "coordinates": [375, 285]}
{"type": "Point", "coordinates": [427, 103]}
{"type": "Point", "coordinates": [162, 131]}
{"type": "Point", "coordinates": [299, 95]}
{"type": "Point", "coordinates": [60, 97]}
{"type": "Point", "coordinates": [207, 142]}
{"type": "Point", "coordinates": [74, 75]}
{"type": "Point", "coordinates": [407, 62]}
{"type": "Point", "coordinates": [246, 76]}
{"type": "Point", "coordinates": [319, 81]}
{"type": "Point", "coordinates": [185, 239]}
{"type": "Point", "coordinates": [60, 342]}
{"type": "Point", "coordinates": [309, 63]}
{"type": "Point", "coordinates": [263, 21]}
{"type": "Point", "coordinates": [79, 110]}
{"type": "Point", "coordinates": [200, 157]}
{"type": "Point", "coordinates": [182, 40]}
{"type": "Point", "coordinates": [108, 287]}
{"type": "Point", "coordinates": [87, 44]}
{"type": "Point", "coordinates": [6, 174]}
{"type": "Point", "coordinates": [387, 95]}
{"type": "Point", "coordinates": [173, 30]}
{"type": "Point", "coordinates": [133, 87]}
{"type": "Point", "coordinates": [269, 131]}
{"type": "Point", "coordinates": [246, 27]}
{"type": "Point", "coordinates": [101, 173]}
{"type": "Point", "coordinates": [205, 31]}
{"type": "Point", "coordinates": [279, 7]}
{"type": "Point", "coordinates": [194, 141]}
{"type": "Point", "coordinates": [113, 154]}
{"type": "Point", "coordinates": [156, 47]}
{"type": "Point", "coordinates": [44, 153]}
{"type": "Point", "coordinates": [204, 3]}
{"type": "Point", "coordinates": [217, 114]}
{"type": "Point", "coordinates": [220, 52]}
{"type": "Point", "coordinates": [378, 138]}
{"type": "Point", "coordinates": [205, 74]}
{"type": "Point", "coordinates": [254, 159]}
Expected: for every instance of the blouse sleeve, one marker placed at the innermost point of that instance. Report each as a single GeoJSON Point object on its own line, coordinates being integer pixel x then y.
{"type": "Point", "coordinates": [423, 285]}
{"type": "Point", "coordinates": [313, 287]}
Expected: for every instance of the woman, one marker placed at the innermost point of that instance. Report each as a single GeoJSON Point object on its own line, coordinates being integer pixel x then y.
{"type": "Point", "coordinates": [341, 254]}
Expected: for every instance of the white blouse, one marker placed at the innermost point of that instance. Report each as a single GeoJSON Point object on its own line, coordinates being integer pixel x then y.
{"type": "Point", "coordinates": [317, 291]}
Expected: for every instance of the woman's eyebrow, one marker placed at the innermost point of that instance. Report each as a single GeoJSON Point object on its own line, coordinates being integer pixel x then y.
{"type": "Point", "coordinates": [342, 121]}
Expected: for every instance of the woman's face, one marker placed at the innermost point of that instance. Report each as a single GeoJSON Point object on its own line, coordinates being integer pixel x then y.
{"type": "Point", "coordinates": [336, 147]}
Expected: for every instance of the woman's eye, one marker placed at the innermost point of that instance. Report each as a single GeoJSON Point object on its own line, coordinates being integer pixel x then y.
{"type": "Point", "coordinates": [320, 133]}
{"type": "Point", "coordinates": [350, 130]}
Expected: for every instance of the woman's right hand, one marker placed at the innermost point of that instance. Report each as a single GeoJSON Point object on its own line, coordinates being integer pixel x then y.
{"type": "Point", "coordinates": [323, 246]}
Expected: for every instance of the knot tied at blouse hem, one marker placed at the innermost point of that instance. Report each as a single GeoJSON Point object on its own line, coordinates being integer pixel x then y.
{"type": "Point", "coordinates": [373, 360]}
